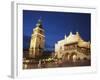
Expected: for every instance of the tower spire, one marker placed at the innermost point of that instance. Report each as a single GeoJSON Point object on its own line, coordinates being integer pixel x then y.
{"type": "Point", "coordinates": [77, 33]}
{"type": "Point", "coordinates": [71, 33]}
{"type": "Point", "coordinates": [39, 23]}
{"type": "Point", "coordinates": [65, 36]}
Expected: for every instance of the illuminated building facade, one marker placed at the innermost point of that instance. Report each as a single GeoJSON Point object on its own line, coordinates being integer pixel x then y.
{"type": "Point", "coordinates": [37, 41]}
{"type": "Point", "coordinates": [72, 48]}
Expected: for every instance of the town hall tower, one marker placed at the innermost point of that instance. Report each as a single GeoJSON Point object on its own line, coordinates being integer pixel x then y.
{"type": "Point", "coordinates": [37, 41]}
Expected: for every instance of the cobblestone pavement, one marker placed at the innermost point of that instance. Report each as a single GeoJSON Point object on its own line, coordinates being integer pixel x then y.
{"type": "Point", "coordinates": [57, 64]}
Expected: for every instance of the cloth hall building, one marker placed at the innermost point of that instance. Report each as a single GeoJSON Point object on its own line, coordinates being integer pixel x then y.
{"type": "Point", "coordinates": [73, 48]}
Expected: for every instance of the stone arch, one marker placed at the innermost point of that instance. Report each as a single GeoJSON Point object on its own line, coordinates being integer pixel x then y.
{"type": "Point", "coordinates": [65, 56]}
{"type": "Point", "coordinates": [73, 56]}
{"type": "Point", "coordinates": [85, 59]}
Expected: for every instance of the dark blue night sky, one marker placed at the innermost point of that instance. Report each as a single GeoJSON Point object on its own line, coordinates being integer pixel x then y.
{"type": "Point", "coordinates": [56, 25]}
